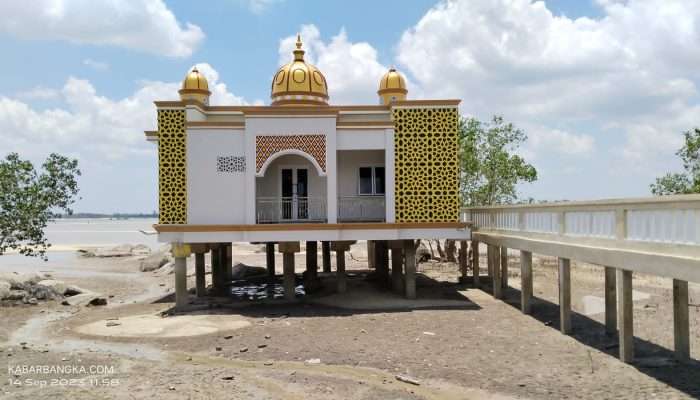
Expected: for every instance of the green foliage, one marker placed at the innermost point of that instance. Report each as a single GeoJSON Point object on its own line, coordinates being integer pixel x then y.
{"type": "Point", "coordinates": [28, 200]}
{"type": "Point", "coordinates": [490, 169]}
{"type": "Point", "coordinates": [688, 181]}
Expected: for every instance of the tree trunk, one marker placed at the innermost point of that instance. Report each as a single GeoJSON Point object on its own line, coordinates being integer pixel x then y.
{"type": "Point", "coordinates": [441, 252]}
{"type": "Point", "coordinates": [432, 252]}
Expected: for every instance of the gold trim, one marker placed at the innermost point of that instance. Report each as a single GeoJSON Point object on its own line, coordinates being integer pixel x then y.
{"type": "Point", "coordinates": [194, 91]}
{"type": "Point", "coordinates": [297, 102]}
{"type": "Point", "coordinates": [300, 93]}
{"type": "Point", "coordinates": [308, 227]}
{"type": "Point", "coordinates": [328, 109]}
{"type": "Point", "coordinates": [392, 90]}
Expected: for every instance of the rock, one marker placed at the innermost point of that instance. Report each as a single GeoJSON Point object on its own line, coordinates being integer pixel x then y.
{"type": "Point", "coordinates": [429, 333]}
{"type": "Point", "coordinates": [242, 271]}
{"type": "Point", "coordinates": [33, 301]}
{"type": "Point", "coordinates": [268, 336]}
{"type": "Point", "coordinates": [407, 379]}
{"type": "Point", "coordinates": [268, 363]}
{"type": "Point", "coordinates": [422, 253]}
{"type": "Point", "coordinates": [227, 378]}
{"type": "Point", "coordinates": [16, 295]}
{"type": "Point", "coordinates": [72, 290]}
{"type": "Point", "coordinates": [42, 292]}
{"type": "Point", "coordinates": [262, 346]}
{"type": "Point", "coordinates": [85, 299]}
{"type": "Point", "coordinates": [123, 250]}
{"type": "Point", "coordinates": [313, 361]}
{"type": "Point", "coordinates": [112, 323]}
{"type": "Point", "coordinates": [217, 348]}
{"type": "Point", "coordinates": [228, 337]}
{"type": "Point", "coordinates": [243, 349]}
{"type": "Point", "coordinates": [154, 261]}
{"type": "Point", "coordinates": [140, 250]}
{"type": "Point", "coordinates": [57, 286]}
{"type": "Point", "coordinates": [21, 281]}
{"type": "Point", "coordinates": [5, 289]}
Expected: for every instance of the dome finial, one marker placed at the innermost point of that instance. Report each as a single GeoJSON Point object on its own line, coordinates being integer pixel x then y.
{"type": "Point", "coordinates": [298, 53]}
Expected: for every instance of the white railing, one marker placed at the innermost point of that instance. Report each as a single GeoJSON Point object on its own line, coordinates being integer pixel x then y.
{"type": "Point", "coordinates": [290, 209]}
{"type": "Point", "coordinates": [670, 220]}
{"type": "Point", "coordinates": [361, 208]}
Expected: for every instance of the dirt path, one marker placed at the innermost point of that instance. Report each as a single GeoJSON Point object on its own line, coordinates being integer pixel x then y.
{"type": "Point", "coordinates": [458, 341]}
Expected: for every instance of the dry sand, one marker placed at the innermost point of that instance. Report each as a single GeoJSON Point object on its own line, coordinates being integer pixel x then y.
{"type": "Point", "coordinates": [457, 341]}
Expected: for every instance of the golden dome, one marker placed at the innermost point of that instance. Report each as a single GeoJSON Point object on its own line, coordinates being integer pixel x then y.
{"type": "Point", "coordinates": [392, 87]}
{"type": "Point", "coordinates": [195, 87]}
{"type": "Point", "coordinates": [299, 83]}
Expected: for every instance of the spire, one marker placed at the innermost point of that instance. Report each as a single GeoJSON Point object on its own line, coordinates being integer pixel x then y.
{"type": "Point", "coordinates": [298, 53]}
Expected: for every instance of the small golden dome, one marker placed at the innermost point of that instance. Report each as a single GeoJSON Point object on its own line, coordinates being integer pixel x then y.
{"type": "Point", "coordinates": [392, 87]}
{"type": "Point", "coordinates": [299, 83]}
{"type": "Point", "coordinates": [195, 87]}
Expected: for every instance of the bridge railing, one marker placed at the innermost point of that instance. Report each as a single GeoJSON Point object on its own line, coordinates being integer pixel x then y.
{"type": "Point", "coordinates": [661, 225]}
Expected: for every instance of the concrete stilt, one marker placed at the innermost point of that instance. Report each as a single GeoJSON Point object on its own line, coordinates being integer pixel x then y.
{"type": "Point", "coordinates": [610, 302]}
{"type": "Point", "coordinates": [370, 254]}
{"type": "Point", "coordinates": [681, 328]}
{"type": "Point", "coordinates": [311, 276]}
{"type": "Point", "coordinates": [495, 261]}
{"type": "Point", "coordinates": [409, 250]}
{"type": "Point", "coordinates": [565, 295]}
{"type": "Point", "coordinates": [228, 262]}
{"type": "Point", "coordinates": [623, 280]}
{"type": "Point", "coordinates": [340, 247]}
{"type": "Point", "coordinates": [215, 268]}
{"type": "Point", "coordinates": [463, 261]}
{"type": "Point", "coordinates": [489, 261]}
{"type": "Point", "coordinates": [397, 267]}
{"type": "Point", "coordinates": [504, 267]}
{"type": "Point", "coordinates": [270, 259]}
{"type": "Point", "coordinates": [525, 282]}
{"type": "Point", "coordinates": [289, 280]}
{"type": "Point", "coordinates": [326, 249]}
{"type": "Point", "coordinates": [475, 262]}
{"type": "Point", "coordinates": [181, 297]}
{"type": "Point", "coordinates": [200, 276]}
{"type": "Point", "coordinates": [381, 261]}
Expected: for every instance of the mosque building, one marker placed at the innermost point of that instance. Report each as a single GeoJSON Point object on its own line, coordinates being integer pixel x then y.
{"type": "Point", "coordinates": [303, 169]}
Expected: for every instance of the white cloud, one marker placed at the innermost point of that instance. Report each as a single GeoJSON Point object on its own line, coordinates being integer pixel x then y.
{"type": "Point", "coordinates": [260, 6]}
{"type": "Point", "coordinates": [351, 68]}
{"type": "Point", "coordinates": [144, 25]}
{"type": "Point", "coordinates": [630, 76]}
{"type": "Point", "coordinates": [39, 93]}
{"type": "Point", "coordinates": [98, 65]}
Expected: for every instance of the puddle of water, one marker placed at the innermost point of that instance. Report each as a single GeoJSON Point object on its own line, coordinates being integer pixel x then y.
{"type": "Point", "coordinates": [249, 291]}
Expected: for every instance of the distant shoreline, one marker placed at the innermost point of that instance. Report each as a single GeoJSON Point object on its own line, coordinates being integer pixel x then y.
{"type": "Point", "coordinates": [106, 216]}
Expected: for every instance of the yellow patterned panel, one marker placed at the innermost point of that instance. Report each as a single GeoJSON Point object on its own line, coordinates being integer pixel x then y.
{"type": "Point", "coordinates": [172, 170]}
{"type": "Point", "coordinates": [427, 168]}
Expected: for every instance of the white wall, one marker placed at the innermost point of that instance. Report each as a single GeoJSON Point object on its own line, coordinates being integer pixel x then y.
{"type": "Point", "coordinates": [361, 139]}
{"type": "Point", "coordinates": [214, 197]}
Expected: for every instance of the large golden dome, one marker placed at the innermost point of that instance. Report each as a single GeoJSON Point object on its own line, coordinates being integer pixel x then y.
{"type": "Point", "coordinates": [299, 83]}
{"type": "Point", "coordinates": [195, 87]}
{"type": "Point", "coordinates": [392, 87]}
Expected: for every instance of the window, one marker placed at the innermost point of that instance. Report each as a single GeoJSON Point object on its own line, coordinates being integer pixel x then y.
{"type": "Point", "coordinates": [371, 181]}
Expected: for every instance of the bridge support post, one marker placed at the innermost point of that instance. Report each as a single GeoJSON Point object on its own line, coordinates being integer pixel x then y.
{"type": "Point", "coordinates": [565, 295]}
{"type": "Point", "coordinates": [623, 280]}
{"type": "Point", "coordinates": [525, 281]}
{"type": "Point", "coordinates": [681, 329]}
{"type": "Point", "coordinates": [494, 255]}
{"type": "Point", "coordinates": [504, 267]}
{"type": "Point", "coordinates": [409, 250]}
{"type": "Point", "coordinates": [475, 262]}
{"type": "Point", "coordinates": [289, 281]}
{"type": "Point", "coordinates": [270, 259]}
{"type": "Point", "coordinates": [610, 302]}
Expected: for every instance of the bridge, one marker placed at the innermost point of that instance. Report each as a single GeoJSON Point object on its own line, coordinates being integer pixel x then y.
{"type": "Point", "coordinates": [657, 236]}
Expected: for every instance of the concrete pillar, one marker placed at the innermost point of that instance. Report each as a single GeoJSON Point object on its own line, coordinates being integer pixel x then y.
{"type": "Point", "coordinates": [326, 249]}
{"type": "Point", "coordinates": [681, 328]}
{"type": "Point", "coordinates": [289, 279]}
{"type": "Point", "coordinates": [370, 254]}
{"type": "Point", "coordinates": [215, 270]}
{"type": "Point", "coordinates": [181, 297]}
{"type": "Point", "coordinates": [610, 302]}
{"type": "Point", "coordinates": [475, 262]}
{"type": "Point", "coordinates": [270, 259]}
{"type": "Point", "coordinates": [200, 276]}
{"type": "Point", "coordinates": [494, 255]}
{"type": "Point", "coordinates": [341, 278]}
{"type": "Point", "coordinates": [409, 250]}
{"type": "Point", "coordinates": [311, 276]}
{"type": "Point", "coordinates": [397, 267]}
{"type": "Point", "coordinates": [565, 295]}
{"type": "Point", "coordinates": [504, 267]}
{"type": "Point", "coordinates": [228, 262]}
{"type": "Point", "coordinates": [525, 282]}
{"type": "Point", "coordinates": [463, 250]}
{"type": "Point", "coordinates": [381, 261]}
{"type": "Point", "coordinates": [623, 280]}
{"type": "Point", "coordinates": [223, 256]}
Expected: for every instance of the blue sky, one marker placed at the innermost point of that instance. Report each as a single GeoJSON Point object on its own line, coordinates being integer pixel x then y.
{"type": "Point", "coordinates": [603, 88]}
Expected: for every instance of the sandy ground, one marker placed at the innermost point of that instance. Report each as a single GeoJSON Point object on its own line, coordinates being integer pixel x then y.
{"type": "Point", "coordinates": [456, 340]}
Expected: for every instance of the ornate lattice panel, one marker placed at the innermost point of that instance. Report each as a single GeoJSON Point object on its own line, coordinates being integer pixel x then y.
{"type": "Point", "coordinates": [230, 164]}
{"type": "Point", "coordinates": [172, 169]}
{"type": "Point", "coordinates": [313, 145]}
{"type": "Point", "coordinates": [426, 164]}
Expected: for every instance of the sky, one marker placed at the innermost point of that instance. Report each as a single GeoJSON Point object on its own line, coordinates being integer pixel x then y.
{"type": "Point", "coordinates": [603, 88]}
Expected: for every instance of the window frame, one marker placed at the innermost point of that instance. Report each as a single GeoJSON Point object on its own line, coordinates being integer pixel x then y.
{"type": "Point", "coordinates": [373, 171]}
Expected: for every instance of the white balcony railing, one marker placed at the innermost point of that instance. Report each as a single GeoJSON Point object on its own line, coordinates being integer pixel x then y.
{"type": "Point", "coordinates": [361, 208]}
{"type": "Point", "coordinates": [272, 210]}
